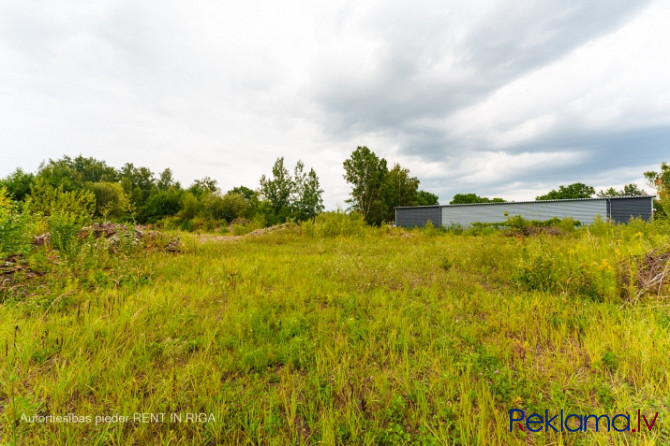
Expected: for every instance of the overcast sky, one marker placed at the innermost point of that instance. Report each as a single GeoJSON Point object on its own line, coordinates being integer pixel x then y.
{"type": "Point", "coordinates": [501, 98]}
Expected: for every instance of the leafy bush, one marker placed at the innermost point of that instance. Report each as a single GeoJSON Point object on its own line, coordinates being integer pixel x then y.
{"type": "Point", "coordinates": [159, 205]}
{"type": "Point", "coordinates": [63, 230]}
{"type": "Point", "coordinates": [241, 228]}
{"type": "Point", "coordinates": [111, 201]}
{"type": "Point", "coordinates": [478, 228]}
{"type": "Point", "coordinates": [48, 200]}
{"type": "Point", "coordinates": [517, 223]}
{"type": "Point", "coordinates": [454, 228]}
{"type": "Point", "coordinates": [17, 184]}
{"type": "Point", "coordinates": [537, 273]}
{"type": "Point", "coordinates": [333, 224]}
{"type": "Point", "coordinates": [14, 227]}
{"type": "Point", "coordinates": [233, 206]}
{"type": "Point", "coordinates": [187, 225]}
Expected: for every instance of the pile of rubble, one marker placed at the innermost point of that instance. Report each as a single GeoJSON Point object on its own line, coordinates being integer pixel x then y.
{"type": "Point", "coordinates": [13, 266]}
{"type": "Point", "coordinates": [114, 234]}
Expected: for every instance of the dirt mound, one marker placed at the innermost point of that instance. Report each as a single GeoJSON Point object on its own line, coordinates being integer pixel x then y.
{"type": "Point", "coordinates": [282, 228]}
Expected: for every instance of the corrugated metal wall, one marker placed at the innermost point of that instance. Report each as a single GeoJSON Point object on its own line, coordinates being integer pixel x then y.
{"type": "Point", "coordinates": [622, 209]}
{"type": "Point", "coordinates": [583, 210]}
{"type": "Point", "coordinates": [418, 216]}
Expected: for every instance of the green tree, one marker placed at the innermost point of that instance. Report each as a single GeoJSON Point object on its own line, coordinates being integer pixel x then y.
{"type": "Point", "coordinates": [247, 193]}
{"type": "Point", "coordinates": [59, 173]}
{"type": "Point", "coordinates": [189, 205]}
{"type": "Point", "coordinates": [203, 186]}
{"type": "Point", "coordinates": [48, 200]}
{"type": "Point", "coordinates": [17, 184]}
{"type": "Point", "coordinates": [233, 206]}
{"type": "Point", "coordinates": [166, 181]}
{"type": "Point", "coordinates": [139, 183]}
{"type": "Point", "coordinates": [661, 182]}
{"type": "Point", "coordinates": [473, 198]}
{"type": "Point", "coordinates": [575, 190]}
{"type": "Point", "coordinates": [93, 170]}
{"type": "Point", "coordinates": [399, 190]}
{"type": "Point", "coordinates": [73, 174]}
{"type": "Point", "coordinates": [426, 198]}
{"type": "Point", "coordinates": [111, 201]}
{"type": "Point", "coordinates": [250, 196]}
{"type": "Point", "coordinates": [308, 201]}
{"type": "Point", "coordinates": [366, 172]}
{"type": "Point", "coordinates": [159, 205]}
{"type": "Point", "coordinates": [278, 190]}
{"type": "Point", "coordinates": [629, 190]}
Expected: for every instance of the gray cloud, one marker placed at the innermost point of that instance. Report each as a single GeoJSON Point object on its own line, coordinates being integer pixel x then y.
{"type": "Point", "coordinates": [422, 70]}
{"type": "Point", "coordinates": [489, 97]}
{"type": "Point", "coordinates": [604, 157]}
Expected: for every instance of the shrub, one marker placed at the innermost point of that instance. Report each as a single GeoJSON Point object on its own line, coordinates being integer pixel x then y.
{"type": "Point", "coordinates": [63, 230]}
{"type": "Point", "coordinates": [48, 200]}
{"type": "Point", "coordinates": [579, 271]}
{"type": "Point", "coordinates": [111, 200]}
{"type": "Point", "coordinates": [14, 227]}
{"type": "Point", "coordinates": [190, 207]}
{"type": "Point", "coordinates": [537, 272]}
{"type": "Point", "coordinates": [241, 229]}
{"type": "Point", "coordinates": [18, 184]}
{"type": "Point", "coordinates": [454, 228]}
{"type": "Point", "coordinates": [212, 205]}
{"type": "Point", "coordinates": [159, 205]}
{"type": "Point", "coordinates": [429, 229]}
{"type": "Point", "coordinates": [333, 224]}
{"type": "Point", "coordinates": [187, 225]}
{"type": "Point", "coordinates": [517, 224]}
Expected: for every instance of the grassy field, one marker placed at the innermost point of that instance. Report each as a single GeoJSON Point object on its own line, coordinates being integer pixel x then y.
{"type": "Point", "coordinates": [378, 336]}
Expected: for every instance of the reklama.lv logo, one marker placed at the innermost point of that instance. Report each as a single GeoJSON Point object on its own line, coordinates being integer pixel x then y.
{"type": "Point", "coordinates": [578, 423]}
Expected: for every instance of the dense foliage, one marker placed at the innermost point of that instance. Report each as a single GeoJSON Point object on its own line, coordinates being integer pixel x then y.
{"type": "Point", "coordinates": [576, 190]}
{"type": "Point", "coordinates": [135, 194]}
{"type": "Point", "coordinates": [376, 190]}
{"type": "Point", "coordinates": [473, 198]}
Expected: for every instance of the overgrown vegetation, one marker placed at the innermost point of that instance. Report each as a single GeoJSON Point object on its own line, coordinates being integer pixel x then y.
{"type": "Point", "coordinates": [333, 332]}
{"type": "Point", "coordinates": [135, 194]}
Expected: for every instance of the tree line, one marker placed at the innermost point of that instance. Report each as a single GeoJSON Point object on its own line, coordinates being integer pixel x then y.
{"type": "Point", "coordinates": [136, 193]}
{"type": "Point", "coordinates": [575, 190]}
{"type": "Point", "coordinates": [92, 187]}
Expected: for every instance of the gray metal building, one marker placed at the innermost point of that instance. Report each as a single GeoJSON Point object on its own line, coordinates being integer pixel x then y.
{"type": "Point", "coordinates": [616, 209]}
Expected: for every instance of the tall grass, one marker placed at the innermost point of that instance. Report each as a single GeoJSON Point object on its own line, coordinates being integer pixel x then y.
{"type": "Point", "coordinates": [341, 334]}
